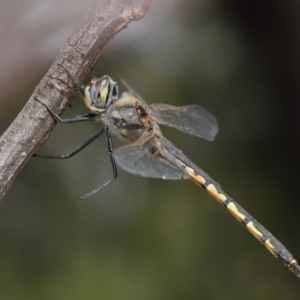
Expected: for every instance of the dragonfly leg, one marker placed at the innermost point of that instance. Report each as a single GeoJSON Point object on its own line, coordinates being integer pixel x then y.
{"type": "Point", "coordinates": [114, 167]}
{"type": "Point", "coordinates": [56, 117]}
{"type": "Point", "coordinates": [75, 151]}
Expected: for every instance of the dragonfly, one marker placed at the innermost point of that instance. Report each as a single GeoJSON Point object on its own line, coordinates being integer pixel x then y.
{"type": "Point", "coordinates": [149, 154]}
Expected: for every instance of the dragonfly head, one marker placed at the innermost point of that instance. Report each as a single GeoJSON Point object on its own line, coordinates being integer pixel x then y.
{"type": "Point", "coordinates": [100, 93]}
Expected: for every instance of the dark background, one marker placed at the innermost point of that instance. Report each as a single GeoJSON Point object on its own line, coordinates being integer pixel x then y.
{"type": "Point", "coordinates": [145, 238]}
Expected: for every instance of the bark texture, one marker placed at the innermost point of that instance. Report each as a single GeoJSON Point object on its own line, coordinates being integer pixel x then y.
{"type": "Point", "coordinates": [33, 124]}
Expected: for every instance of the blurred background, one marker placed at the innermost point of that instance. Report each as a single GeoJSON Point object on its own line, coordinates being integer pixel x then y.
{"type": "Point", "coordinates": [145, 238]}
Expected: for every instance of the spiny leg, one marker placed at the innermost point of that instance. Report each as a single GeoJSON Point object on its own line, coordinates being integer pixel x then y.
{"type": "Point", "coordinates": [56, 117]}
{"type": "Point", "coordinates": [89, 117]}
{"type": "Point", "coordinates": [114, 167]}
{"type": "Point", "coordinates": [75, 151]}
{"type": "Point", "coordinates": [84, 145]}
{"type": "Point", "coordinates": [254, 227]}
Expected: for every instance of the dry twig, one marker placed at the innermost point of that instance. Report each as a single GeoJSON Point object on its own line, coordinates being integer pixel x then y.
{"type": "Point", "coordinates": [33, 125]}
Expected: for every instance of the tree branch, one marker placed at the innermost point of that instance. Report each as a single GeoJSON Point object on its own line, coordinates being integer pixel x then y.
{"type": "Point", "coordinates": [33, 124]}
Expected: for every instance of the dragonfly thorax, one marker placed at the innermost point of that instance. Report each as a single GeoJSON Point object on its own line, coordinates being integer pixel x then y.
{"type": "Point", "coordinates": [129, 111]}
{"type": "Point", "coordinates": [126, 117]}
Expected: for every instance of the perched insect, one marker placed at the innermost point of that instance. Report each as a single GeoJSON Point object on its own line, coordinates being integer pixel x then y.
{"type": "Point", "coordinates": [150, 154]}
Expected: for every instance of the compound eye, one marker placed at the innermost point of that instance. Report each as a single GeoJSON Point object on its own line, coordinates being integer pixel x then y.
{"type": "Point", "coordinates": [100, 91]}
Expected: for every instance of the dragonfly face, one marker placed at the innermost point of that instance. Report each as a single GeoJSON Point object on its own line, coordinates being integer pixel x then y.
{"type": "Point", "coordinates": [150, 154]}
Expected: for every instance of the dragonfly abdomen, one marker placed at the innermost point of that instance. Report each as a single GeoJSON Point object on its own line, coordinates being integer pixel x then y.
{"type": "Point", "coordinates": [254, 227]}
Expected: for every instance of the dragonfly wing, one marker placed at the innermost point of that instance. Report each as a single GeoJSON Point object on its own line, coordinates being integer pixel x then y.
{"type": "Point", "coordinates": [145, 160]}
{"type": "Point", "coordinates": [133, 92]}
{"type": "Point", "coordinates": [192, 119]}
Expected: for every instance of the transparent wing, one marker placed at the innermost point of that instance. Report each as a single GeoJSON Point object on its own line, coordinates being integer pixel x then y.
{"type": "Point", "coordinates": [144, 159]}
{"type": "Point", "coordinates": [192, 119]}
{"type": "Point", "coordinates": [157, 158]}
{"type": "Point", "coordinates": [133, 92]}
